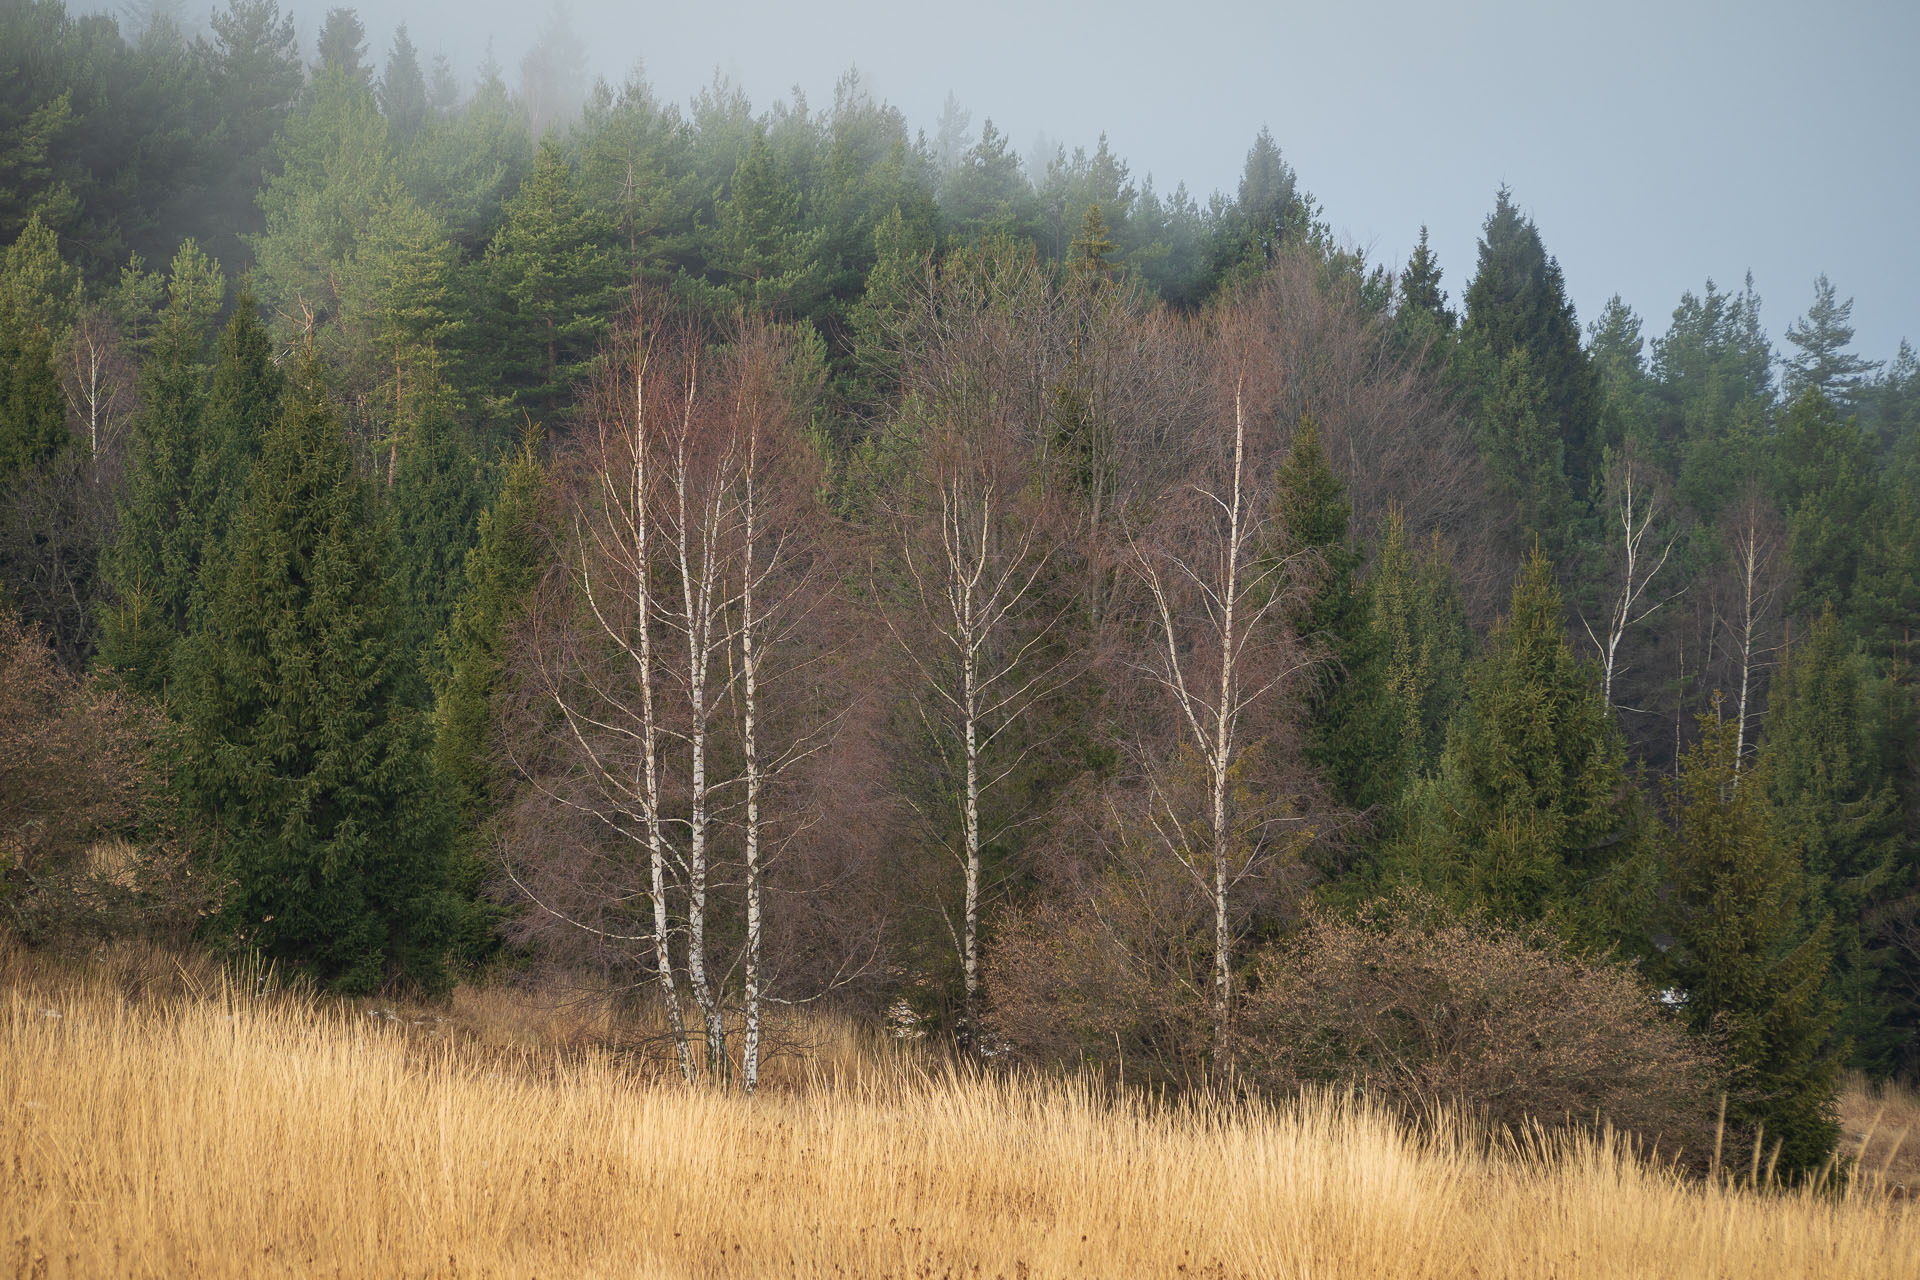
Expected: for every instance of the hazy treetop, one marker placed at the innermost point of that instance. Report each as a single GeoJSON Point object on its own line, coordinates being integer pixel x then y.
{"type": "Point", "coordinates": [1654, 143]}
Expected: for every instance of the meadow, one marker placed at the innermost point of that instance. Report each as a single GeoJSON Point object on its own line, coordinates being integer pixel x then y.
{"type": "Point", "coordinates": [171, 1122]}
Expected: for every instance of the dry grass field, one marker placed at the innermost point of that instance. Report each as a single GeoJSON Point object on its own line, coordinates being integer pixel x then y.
{"type": "Point", "coordinates": [146, 1130]}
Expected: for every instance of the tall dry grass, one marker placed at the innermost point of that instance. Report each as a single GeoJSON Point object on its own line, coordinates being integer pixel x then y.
{"type": "Point", "coordinates": [161, 1134]}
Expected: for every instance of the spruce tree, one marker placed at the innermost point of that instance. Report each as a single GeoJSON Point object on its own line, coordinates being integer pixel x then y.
{"type": "Point", "coordinates": [153, 566]}
{"type": "Point", "coordinates": [1532, 816]}
{"type": "Point", "coordinates": [300, 751]}
{"type": "Point", "coordinates": [1518, 301]}
{"type": "Point", "coordinates": [242, 401]}
{"type": "Point", "coordinates": [33, 411]}
{"type": "Point", "coordinates": [1312, 513]}
{"type": "Point", "coordinates": [1833, 800]}
{"type": "Point", "coordinates": [1751, 967]}
{"type": "Point", "coordinates": [474, 652]}
{"type": "Point", "coordinates": [1824, 484]}
{"type": "Point", "coordinates": [1420, 292]}
{"type": "Point", "coordinates": [435, 500]}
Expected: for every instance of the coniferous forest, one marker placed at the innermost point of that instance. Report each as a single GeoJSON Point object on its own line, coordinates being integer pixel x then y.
{"type": "Point", "coordinates": [736, 558]}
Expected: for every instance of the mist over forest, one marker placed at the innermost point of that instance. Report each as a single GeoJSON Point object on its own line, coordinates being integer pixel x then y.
{"type": "Point", "coordinates": [501, 521]}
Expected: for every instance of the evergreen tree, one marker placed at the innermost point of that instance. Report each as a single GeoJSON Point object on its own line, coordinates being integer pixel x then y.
{"type": "Point", "coordinates": [551, 271]}
{"type": "Point", "coordinates": [342, 46]}
{"type": "Point", "coordinates": [1615, 346]}
{"type": "Point", "coordinates": [153, 565]}
{"type": "Point", "coordinates": [474, 651]}
{"type": "Point", "coordinates": [1271, 213]}
{"type": "Point", "coordinates": [301, 753]}
{"type": "Point", "coordinates": [1532, 815]}
{"type": "Point", "coordinates": [1712, 393]}
{"type": "Point", "coordinates": [1824, 363]}
{"type": "Point", "coordinates": [436, 499]}
{"type": "Point", "coordinates": [1524, 455]}
{"type": "Point", "coordinates": [403, 88]}
{"type": "Point", "coordinates": [1751, 968]}
{"type": "Point", "coordinates": [1420, 294]}
{"type": "Point", "coordinates": [242, 402]}
{"type": "Point", "coordinates": [1825, 487]}
{"type": "Point", "coordinates": [760, 250]}
{"type": "Point", "coordinates": [1518, 302]}
{"type": "Point", "coordinates": [1312, 514]}
{"type": "Point", "coordinates": [1834, 802]}
{"type": "Point", "coordinates": [33, 411]}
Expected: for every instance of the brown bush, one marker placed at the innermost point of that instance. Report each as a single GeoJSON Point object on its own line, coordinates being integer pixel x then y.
{"type": "Point", "coordinates": [1426, 1012]}
{"type": "Point", "coordinates": [76, 780]}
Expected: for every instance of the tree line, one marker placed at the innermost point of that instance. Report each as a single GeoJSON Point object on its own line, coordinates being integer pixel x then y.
{"type": "Point", "coordinates": [777, 557]}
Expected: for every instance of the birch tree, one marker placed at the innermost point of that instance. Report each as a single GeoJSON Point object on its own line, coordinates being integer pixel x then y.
{"type": "Point", "coordinates": [1219, 654]}
{"type": "Point", "coordinates": [607, 678]}
{"type": "Point", "coordinates": [1750, 593]}
{"type": "Point", "coordinates": [1633, 512]}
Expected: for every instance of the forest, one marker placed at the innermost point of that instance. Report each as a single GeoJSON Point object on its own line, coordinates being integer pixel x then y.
{"type": "Point", "coordinates": [522, 531]}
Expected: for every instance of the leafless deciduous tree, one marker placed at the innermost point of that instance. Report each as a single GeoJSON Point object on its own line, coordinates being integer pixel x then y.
{"type": "Point", "coordinates": [1215, 600]}
{"type": "Point", "coordinates": [1746, 601]}
{"type": "Point", "coordinates": [1635, 503]}
{"type": "Point", "coordinates": [663, 665]}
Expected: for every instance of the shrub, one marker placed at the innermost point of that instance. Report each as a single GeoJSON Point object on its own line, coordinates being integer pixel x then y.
{"type": "Point", "coordinates": [1424, 1010]}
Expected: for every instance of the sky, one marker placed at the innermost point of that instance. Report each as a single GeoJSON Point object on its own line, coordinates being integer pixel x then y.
{"type": "Point", "coordinates": [1655, 144]}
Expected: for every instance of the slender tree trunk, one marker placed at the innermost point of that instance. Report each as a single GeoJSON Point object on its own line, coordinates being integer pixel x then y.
{"type": "Point", "coordinates": [750, 692]}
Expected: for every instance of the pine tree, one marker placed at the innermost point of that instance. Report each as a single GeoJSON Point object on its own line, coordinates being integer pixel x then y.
{"type": "Point", "coordinates": [1535, 818]}
{"type": "Point", "coordinates": [1712, 393]}
{"type": "Point", "coordinates": [1751, 968]}
{"type": "Point", "coordinates": [1824, 363]}
{"type": "Point", "coordinates": [550, 268]}
{"type": "Point", "coordinates": [300, 752]}
{"type": "Point", "coordinates": [1833, 800]}
{"type": "Point", "coordinates": [242, 402]}
{"type": "Point", "coordinates": [1518, 302]}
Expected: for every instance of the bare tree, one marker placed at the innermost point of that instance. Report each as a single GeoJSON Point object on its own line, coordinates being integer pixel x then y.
{"type": "Point", "coordinates": [99, 381]}
{"type": "Point", "coordinates": [1744, 617]}
{"type": "Point", "coordinates": [1216, 601]}
{"type": "Point", "coordinates": [968, 542]}
{"type": "Point", "coordinates": [1634, 509]}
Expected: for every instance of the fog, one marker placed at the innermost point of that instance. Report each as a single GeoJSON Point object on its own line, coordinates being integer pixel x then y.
{"type": "Point", "coordinates": [1655, 144]}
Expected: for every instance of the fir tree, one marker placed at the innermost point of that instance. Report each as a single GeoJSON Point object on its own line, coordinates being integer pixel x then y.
{"type": "Point", "coordinates": [1524, 454]}
{"type": "Point", "coordinates": [403, 88]}
{"type": "Point", "coordinates": [301, 754]}
{"type": "Point", "coordinates": [153, 565]}
{"type": "Point", "coordinates": [1751, 969]}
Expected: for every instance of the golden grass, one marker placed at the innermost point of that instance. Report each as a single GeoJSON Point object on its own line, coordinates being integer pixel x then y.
{"type": "Point", "coordinates": [1880, 1129]}
{"type": "Point", "coordinates": [167, 1135]}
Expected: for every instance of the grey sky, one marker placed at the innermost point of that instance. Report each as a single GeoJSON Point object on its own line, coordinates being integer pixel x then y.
{"type": "Point", "coordinates": [1656, 144]}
